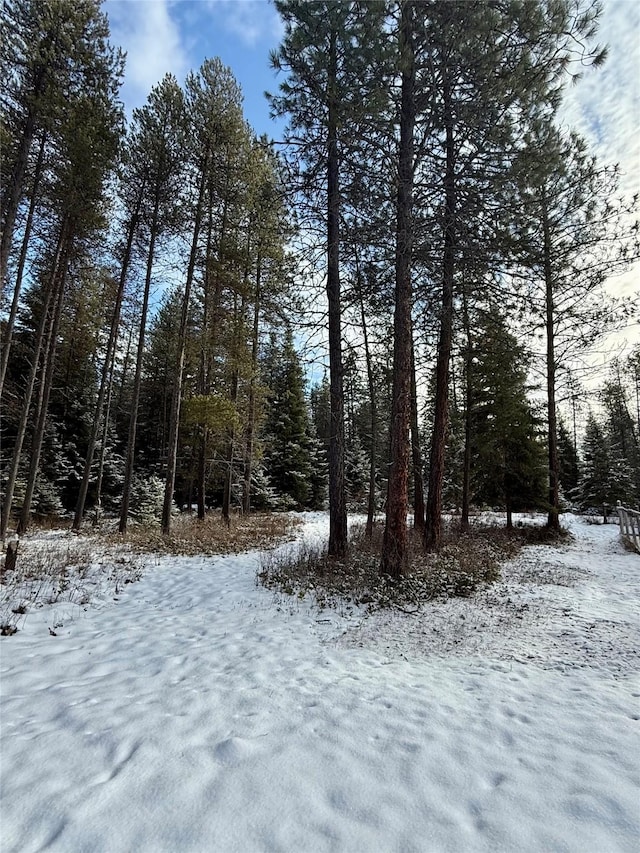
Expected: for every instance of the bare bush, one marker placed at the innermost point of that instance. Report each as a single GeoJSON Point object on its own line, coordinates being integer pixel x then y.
{"type": "Point", "coordinates": [464, 563]}
{"type": "Point", "coordinates": [212, 535]}
{"type": "Point", "coordinates": [62, 569]}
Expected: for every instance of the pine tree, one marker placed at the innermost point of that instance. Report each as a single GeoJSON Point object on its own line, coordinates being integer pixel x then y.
{"type": "Point", "coordinates": [620, 429]}
{"type": "Point", "coordinates": [85, 140]}
{"type": "Point", "coordinates": [132, 186]}
{"type": "Point", "coordinates": [508, 459]}
{"type": "Point", "coordinates": [214, 110]}
{"type": "Point", "coordinates": [485, 87]}
{"type": "Point", "coordinates": [575, 234]}
{"type": "Point", "coordinates": [326, 52]}
{"type": "Point", "coordinates": [287, 437]}
{"type": "Point", "coordinates": [604, 479]}
{"type": "Point", "coordinates": [89, 144]}
{"type": "Point", "coordinates": [269, 226]}
{"type": "Point", "coordinates": [568, 462]}
{"type": "Point", "coordinates": [55, 51]}
{"type": "Point", "coordinates": [160, 141]}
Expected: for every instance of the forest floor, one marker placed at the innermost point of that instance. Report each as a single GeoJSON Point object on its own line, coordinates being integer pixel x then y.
{"type": "Point", "coordinates": [196, 711]}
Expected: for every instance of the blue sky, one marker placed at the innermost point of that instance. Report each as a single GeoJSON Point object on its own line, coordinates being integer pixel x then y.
{"type": "Point", "coordinates": [176, 35]}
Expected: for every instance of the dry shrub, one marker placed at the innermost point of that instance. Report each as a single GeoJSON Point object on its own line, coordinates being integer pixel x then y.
{"type": "Point", "coordinates": [464, 563]}
{"type": "Point", "coordinates": [73, 570]}
{"type": "Point", "coordinates": [191, 536]}
{"type": "Point", "coordinates": [46, 572]}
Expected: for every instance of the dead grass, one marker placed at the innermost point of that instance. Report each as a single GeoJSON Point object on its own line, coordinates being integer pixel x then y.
{"type": "Point", "coordinates": [57, 567]}
{"type": "Point", "coordinates": [191, 537]}
{"type": "Point", "coordinates": [65, 570]}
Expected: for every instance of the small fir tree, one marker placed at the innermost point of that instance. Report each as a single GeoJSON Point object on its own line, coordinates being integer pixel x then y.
{"type": "Point", "coordinates": [286, 431]}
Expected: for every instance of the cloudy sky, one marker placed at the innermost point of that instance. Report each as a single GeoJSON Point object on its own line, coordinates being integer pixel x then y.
{"type": "Point", "coordinates": [176, 35]}
{"type": "Point", "coordinates": [604, 106]}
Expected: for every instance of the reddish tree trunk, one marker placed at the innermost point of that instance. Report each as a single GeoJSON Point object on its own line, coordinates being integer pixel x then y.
{"type": "Point", "coordinates": [395, 552]}
{"type": "Point", "coordinates": [337, 499]}
{"type": "Point", "coordinates": [553, 519]}
{"type": "Point", "coordinates": [433, 528]}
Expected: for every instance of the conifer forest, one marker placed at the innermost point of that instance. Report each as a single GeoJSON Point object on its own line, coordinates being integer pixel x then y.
{"type": "Point", "coordinates": [390, 309]}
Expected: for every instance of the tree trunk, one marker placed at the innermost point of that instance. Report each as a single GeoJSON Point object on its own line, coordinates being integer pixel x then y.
{"type": "Point", "coordinates": [8, 333]}
{"type": "Point", "coordinates": [238, 319]}
{"type": "Point", "coordinates": [105, 382]}
{"type": "Point", "coordinates": [201, 471]}
{"type": "Point", "coordinates": [103, 443]}
{"type": "Point", "coordinates": [553, 518]}
{"type": "Point", "coordinates": [373, 401]}
{"type": "Point", "coordinates": [176, 397]}
{"type": "Point", "coordinates": [251, 414]}
{"type": "Point", "coordinates": [395, 552]}
{"type": "Point", "coordinates": [13, 191]}
{"type": "Point", "coordinates": [509, 513]}
{"type": "Point", "coordinates": [235, 379]}
{"type": "Point", "coordinates": [133, 419]}
{"type": "Point", "coordinates": [49, 297]}
{"type": "Point", "coordinates": [337, 499]}
{"type": "Point", "coordinates": [201, 475]}
{"type": "Point", "coordinates": [466, 465]}
{"type": "Point", "coordinates": [125, 368]}
{"type": "Point", "coordinates": [207, 337]}
{"type": "Point", "coordinates": [433, 529]}
{"type": "Point", "coordinates": [43, 403]}
{"type": "Point", "coordinates": [418, 483]}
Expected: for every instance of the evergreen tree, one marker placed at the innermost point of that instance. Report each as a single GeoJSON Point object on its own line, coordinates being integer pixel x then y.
{"type": "Point", "coordinates": [568, 462]}
{"type": "Point", "coordinates": [508, 460]}
{"type": "Point", "coordinates": [85, 139]}
{"type": "Point", "coordinates": [574, 233]}
{"type": "Point", "coordinates": [632, 371]}
{"type": "Point", "coordinates": [269, 227]}
{"type": "Point", "coordinates": [132, 186]}
{"type": "Point", "coordinates": [289, 449]}
{"type": "Point", "coordinates": [160, 142]}
{"type": "Point", "coordinates": [214, 110]}
{"type": "Point", "coordinates": [605, 478]}
{"type": "Point", "coordinates": [485, 87]}
{"type": "Point", "coordinates": [319, 402]}
{"type": "Point", "coordinates": [453, 483]}
{"type": "Point", "coordinates": [620, 429]}
{"type": "Point", "coordinates": [52, 53]}
{"type": "Point", "coordinates": [326, 51]}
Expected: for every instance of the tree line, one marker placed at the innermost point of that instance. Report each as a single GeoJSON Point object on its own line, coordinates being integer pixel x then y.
{"type": "Point", "coordinates": [156, 272]}
{"type": "Point", "coordinates": [142, 263]}
{"type": "Point", "coordinates": [426, 144]}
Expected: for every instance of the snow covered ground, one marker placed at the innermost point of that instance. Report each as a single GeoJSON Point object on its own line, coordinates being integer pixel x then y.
{"type": "Point", "coordinates": [201, 713]}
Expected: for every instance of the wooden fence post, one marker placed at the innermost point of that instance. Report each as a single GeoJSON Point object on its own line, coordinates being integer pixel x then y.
{"type": "Point", "coordinates": [629, 526]}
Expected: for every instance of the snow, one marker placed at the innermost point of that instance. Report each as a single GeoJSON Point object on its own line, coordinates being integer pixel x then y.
{"type": "Point", "coordinates": [199, 712]}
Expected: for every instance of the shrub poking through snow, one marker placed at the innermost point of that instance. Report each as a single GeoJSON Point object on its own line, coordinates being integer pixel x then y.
{"type": "Point", "coordinates": [60, 570]}
{"type": "Point", "coordinates": [465, 563]}
{"type": "Point", "coordinates": [71, 571]}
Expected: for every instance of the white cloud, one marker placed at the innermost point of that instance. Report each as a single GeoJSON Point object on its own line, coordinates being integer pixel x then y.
{"type": "Point", "coordinates": [146, 31]}
{"type": "Point", "coordinates": [250, 20]}
{"type": "Point", "coordinates": [604, 106]}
